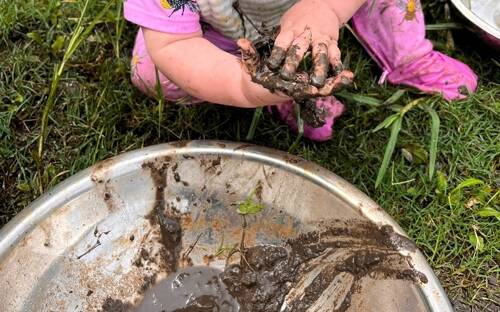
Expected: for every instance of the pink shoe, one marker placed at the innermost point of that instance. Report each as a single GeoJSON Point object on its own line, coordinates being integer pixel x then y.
{"type": "Point", "coordinates": [394, 34]}
{"type": "Point", "coordinates": [318, 114]}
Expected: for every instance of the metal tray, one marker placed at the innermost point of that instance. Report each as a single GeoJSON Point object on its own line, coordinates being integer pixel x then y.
{"type": "Point", "coordinates": [78, 244]}
{"type": "Point", "coordinates": [484, 16]}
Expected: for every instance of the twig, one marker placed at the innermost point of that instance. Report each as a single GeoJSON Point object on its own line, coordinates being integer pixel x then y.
{"type": "Point", "coordinates": [191, 247]}
{"type": "Point", "coordinates": [243, 231]}
{"type": "Point", "coordinates": [97, 243]}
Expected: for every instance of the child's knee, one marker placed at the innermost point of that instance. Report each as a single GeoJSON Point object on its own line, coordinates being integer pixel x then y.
{"type": "Point", "coordinates": [146, 78]}
{"type": "Point", "coordinates": [143, 74]}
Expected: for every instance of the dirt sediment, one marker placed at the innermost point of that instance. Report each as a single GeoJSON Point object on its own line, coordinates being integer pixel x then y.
{"type": "Point", "coordinates": [316, 265]}
{"type": "Point", "coordinates": [294, 277]}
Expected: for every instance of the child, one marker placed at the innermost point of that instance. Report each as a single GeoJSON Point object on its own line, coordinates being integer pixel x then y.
{"type": "Point", "coordinates": [194, 45]}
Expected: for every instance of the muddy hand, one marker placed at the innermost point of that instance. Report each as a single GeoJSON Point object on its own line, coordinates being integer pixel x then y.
{"type": "Point", "coordinates": [271, 80]}
{"type": "Point", "coordinates": [288, 52]}
{"type": "Point", "coordinates": [298, 85]}
{"type": "Point", "coordinates": [334, 84]}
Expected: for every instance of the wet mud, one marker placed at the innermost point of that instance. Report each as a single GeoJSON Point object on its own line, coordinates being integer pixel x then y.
{"type": "Point", "coordinates": [329, 263]}
{"type": "Point", "coordinates": [114, 305]}
{"type": "Point", "coordinates": [164, 216]}
{"type": "Point", "coordinates": [311, 114]}
{"type": "Point", "coordinates": [325, 264]}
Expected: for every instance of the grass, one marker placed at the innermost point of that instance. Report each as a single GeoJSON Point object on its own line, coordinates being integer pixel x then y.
{"type": "Point", "coordinates": [96, 113]}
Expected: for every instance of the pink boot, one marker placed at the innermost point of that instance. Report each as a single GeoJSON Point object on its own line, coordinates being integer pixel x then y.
{"type": "Point", "coordinates": [319, 116]}
{"type": "Point", "coordinates": [393, 32]}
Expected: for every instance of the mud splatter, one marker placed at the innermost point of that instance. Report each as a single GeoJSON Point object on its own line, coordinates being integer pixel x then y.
{"type": "Point", "coordinates": [114, 305]}
{"type": "Point", "coordinates": [179, 144]}
{"type": "Point", "coordinates": [177, 177]}
{"type": "Point", "coordinates": [243, 146]}
{"type": "Point", "coordinates": [167, 218]}
{"type": "Point", "coordinates": [312, 115]}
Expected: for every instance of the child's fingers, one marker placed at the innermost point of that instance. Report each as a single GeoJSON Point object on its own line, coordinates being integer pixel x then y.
{"type": "Point", "coordinates": [302, 91]}
{"type": "Point", "coordinates": [281, 45]}
{"type": "Point", "coordinates": [249, 55]}
{"type": "Point", "coordinates": [321, 64]}
{"type": "Point", "coordinates": [299, 89]}
{"type": "Point", "coordinates": [334, 57]}
{"type": "Point", "coordinates": [295, 53]}
{"type": "Point", "coordinates": [336, 83]}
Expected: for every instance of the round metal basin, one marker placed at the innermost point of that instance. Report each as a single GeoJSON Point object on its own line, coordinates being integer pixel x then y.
{"type": "Point", "coordinates": [484, 16]}
{"type": "Point", "coordinates": [91, 240]}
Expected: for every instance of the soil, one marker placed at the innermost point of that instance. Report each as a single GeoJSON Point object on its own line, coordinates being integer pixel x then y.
{"type": "Point", "coordinates": [312, 115]}
{"type": "Point", "coordinates": [268, 276]}
{"type": "Point", "coordinates": [168, 219]}
{"type": "Point", "coordinates": [113, 305]}
{"type": "Point", "coordinates": [261, 282]}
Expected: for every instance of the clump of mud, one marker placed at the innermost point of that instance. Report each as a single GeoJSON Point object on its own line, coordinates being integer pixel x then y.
{"type": "Point", "coordinates": [300, 274]}
{"type": "Point", "coordinates": [261, 281]}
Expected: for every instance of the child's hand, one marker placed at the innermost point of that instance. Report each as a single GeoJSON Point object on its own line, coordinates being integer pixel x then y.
{"type": "Point", "coordinates": [299, 88]}
{"type": "Point", "coordinates": [308, 22]}
{"type": "Point", "coordinates": [252, 88]}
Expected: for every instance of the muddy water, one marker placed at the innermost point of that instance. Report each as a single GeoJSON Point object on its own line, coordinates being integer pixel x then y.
{"type": "Point", "coordinates": [316, 271]}
{"type": "Point", "coordinates": [190, 290]}
{"type": "Point", "coordinates": [261, 281]}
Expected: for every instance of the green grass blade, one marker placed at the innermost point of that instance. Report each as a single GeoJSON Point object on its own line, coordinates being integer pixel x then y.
{"type": "Point", "coordinates": [386, 123]}
{"type": "Point", "coordinates": [408, 107]}
{"type": "Point", "coordinates": [363, 99]}
{"type": "Point", "coordinates": [161, 100]}
{"type": "Point", "coordinates": [395, 97]}
{"type": "Point", "coordinates": [45, 113]}
{"type": "Point", "coordinates": [257, 114]}
{"type": "Point", "coordinates": [98, 18]}
{"type": "Point", "coordinates": [78, 36]}
{"type": "Point", "coordinates": [119, 25]}
{"type": "Point", "coordinates": [467, 183]}
{"type": "Point", "coordinates": [435, 122]}
{"type": "Point", "coordinates": [396, 127]}
{"type": "Point", "coordinates": [372, 6]}
{"type": "Point", "coordinates": [443, 26]}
